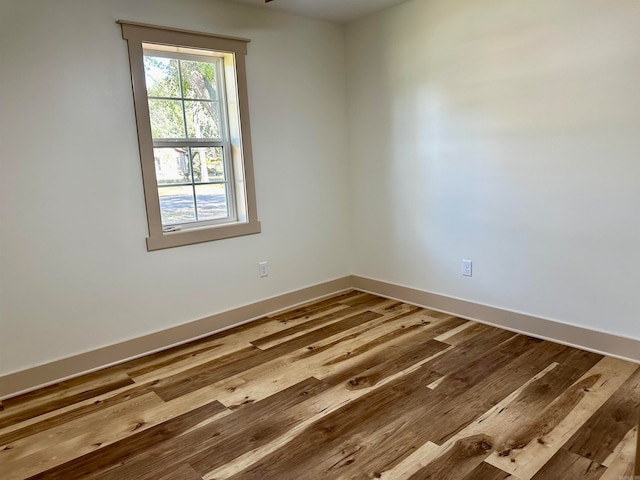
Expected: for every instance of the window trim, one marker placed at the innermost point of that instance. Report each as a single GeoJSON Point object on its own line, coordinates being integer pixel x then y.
{"type": "Point", "coordinates": [138, 33]}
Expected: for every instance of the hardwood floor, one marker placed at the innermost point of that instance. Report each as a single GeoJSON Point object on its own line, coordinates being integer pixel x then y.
{"type": "Point", "coordinates": [350, 387]}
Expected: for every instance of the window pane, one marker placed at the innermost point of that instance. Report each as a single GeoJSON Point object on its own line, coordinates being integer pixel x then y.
{"type": "Point", "coordinates": [166, 119]}
{"type": "Point", "coordinates": [212, 201]}
{"type": "Point", "coordinates": [172, 165]}
{"type": "Point", "coordinates": [161, 77]}
{"type": "Point", "coordinates": [203, 119]}
{"type": "Point", "coordinates": [199, 80]}
{"type": "Point", "coordinates": [176, 205]}
{"type": "Point", "coordinates": [208, 164]}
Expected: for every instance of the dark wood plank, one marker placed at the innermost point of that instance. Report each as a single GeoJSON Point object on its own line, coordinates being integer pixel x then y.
{"type": "Point", "coordinates": [453, 463]}
{"type": "Point", "coordinates": [566, 465]}
{"type": "Point", "coordinates": [468, 351]}
{"type": "Point", "coordinates": [579, 359]}
{"type": "Point", "coordinates": [484, 471]}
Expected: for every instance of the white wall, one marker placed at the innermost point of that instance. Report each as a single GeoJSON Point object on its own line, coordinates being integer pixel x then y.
{"type": "Point", "coordinates": [74, 271]}
{"type": "Point", "coordinates": [506, 132]}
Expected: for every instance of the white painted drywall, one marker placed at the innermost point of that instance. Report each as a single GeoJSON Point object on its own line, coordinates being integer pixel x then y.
{"type": "Point", "coordinates": [505, 132]}
{"type": "Point", "coordinates": [74, 271]}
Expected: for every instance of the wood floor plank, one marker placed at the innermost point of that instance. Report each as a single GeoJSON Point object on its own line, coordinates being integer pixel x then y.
{"type": "Point", "coordinates": [309, 338]}
{"type": "Point", "coordinates": [418, 459]}
{"type": "Point", "coordinates": [361, 299]}
{"type": "Point", "coordinates": [411, 317]}
{"type": "Point", "coordinates": [183, 472]}
{"type": "Point", "coordinates": [228, 437]}
{"type": "Point", "coordinates": [389, 427]}
{"type": "Point", "coordinates": [600, 383]}
{"type": "Point", "coordinates": [312, 322]}
{"type": "Point", "coordinates": [309, 455]}
{"type": "Point", "coordinates": [61, 394]}
{"type": "Point", "coordinates": [479, 366]}
{"type": "Point", "coordinates": [493, 427]}
{"type": "Point", "coordinates": [392, 306]}
{"type": "Point", "coordinates": [403, 330]}
{"type": "Point", "coordinates": [119, 453]}
{"type": "Point", "coordinates": [564, 465]}
{"type": "Point", "coordinates": [228, 344]}
{"type": "Point", "coordinates": [598, 437]}
{"type": "Point", "coordinates": [172, 387]}
{"type": "Point", "coordinates": [453, 414]}
{"type": "Point", "coordinates": [579, 359]}
{"type": "Point", "coordinates": [66, 415]}
{"type": "Point", "coordinates": [621, 462]}
{"type": "Point", "coordinates": [54, 447]}
{"type": "Point", "coordinates": [352, 386]}
{"type": "Point", "coordinates": [466, 335]}
{"type": "Point", "coordinates": [484, 471]}
{"type": "Point", "coordinates": [162, 359]}
{"type": "Point", "coordinates": [453, 334]}
{"type": "Point", "coordinates": [363, 339]}
{"type": "Point", "coordinates": [326, 403]}
{"type": "Point", "coordinates": [470, 350]}
{"type": "Point", "coordinates": [369, 373]}
{"type": "Point", "coordinates": [398, 356]}
{"type": "Point", "coordinates": [463, 455]}
{"type": "Point", "coordinates": [221, 368]}
{"type": "Point", "coordinates": [315, 307]}
{"type": "Point", "coordinates": [250, 385]}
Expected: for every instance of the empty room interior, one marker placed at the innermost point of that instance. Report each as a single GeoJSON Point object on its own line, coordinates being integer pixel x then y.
{"type": "Point", "coordinates": [320, 239]}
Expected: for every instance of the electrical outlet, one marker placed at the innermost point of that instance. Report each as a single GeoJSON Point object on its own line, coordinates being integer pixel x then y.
{"type": "Point", "coordinates": [263, 269]}
{"type": "Point", "coordinates": [467, 268]}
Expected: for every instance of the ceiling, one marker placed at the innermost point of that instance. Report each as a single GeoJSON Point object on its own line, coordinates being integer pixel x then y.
{"type": "Point", "coordinates": [333, 10]}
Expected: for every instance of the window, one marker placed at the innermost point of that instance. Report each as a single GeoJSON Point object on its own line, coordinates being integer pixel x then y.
{"type": "Point", "coordinates": [190, 99]}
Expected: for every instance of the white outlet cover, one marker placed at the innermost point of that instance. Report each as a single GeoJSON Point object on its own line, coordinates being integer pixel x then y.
{"type": "Point", "coordinates": [263, 269]}
{"type": "Point", "coordinates": [467, 268]}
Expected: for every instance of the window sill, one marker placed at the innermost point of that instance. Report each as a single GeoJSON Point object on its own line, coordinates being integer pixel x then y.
{"type": "Point", "coordinates": [190, 237]}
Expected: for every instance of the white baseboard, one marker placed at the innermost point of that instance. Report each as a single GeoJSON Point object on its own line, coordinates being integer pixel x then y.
{"type": "Point", "coordinates": [571, 335]}
{"type": "Point", "coordinates": [23, 381]}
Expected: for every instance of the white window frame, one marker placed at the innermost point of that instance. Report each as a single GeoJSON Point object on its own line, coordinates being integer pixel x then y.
{"type": "Point", "coordinates": [234, 108]}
